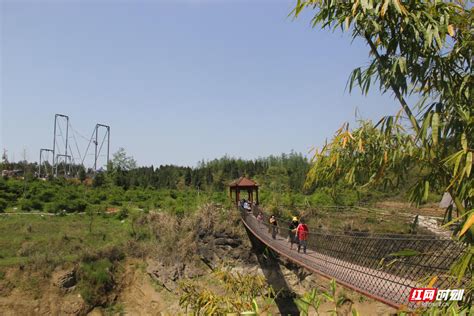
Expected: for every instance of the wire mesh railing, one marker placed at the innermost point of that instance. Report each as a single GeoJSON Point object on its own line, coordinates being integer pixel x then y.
{"type": "Point", "coordinates": [369, 263]}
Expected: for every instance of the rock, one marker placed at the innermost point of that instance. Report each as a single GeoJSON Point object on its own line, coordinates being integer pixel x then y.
{"type": "Point", "coordinates": [65, 280]}
{"type": "Point", "coordinates": [201, 233]}
{"type": "Point", "coordinates": [73, 305]}
{"type": "Point", "coordinates": [221, 234]}
{"type": "Point", "coordinates": [207, 256]}
{"type": "Point", "coordinates": [193, 272]}
{"type": "Point", "coordinates": [168, 276]}
{"type": "Point", "coordinates": [228, 242]}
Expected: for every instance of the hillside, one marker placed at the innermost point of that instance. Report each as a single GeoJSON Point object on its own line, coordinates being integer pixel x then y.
{"type": "Point", "coordinates": [135, 263]}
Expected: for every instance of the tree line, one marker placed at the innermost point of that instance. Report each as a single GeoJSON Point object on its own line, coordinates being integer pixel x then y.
{"type": "Point", "coordinates": [288, 170]}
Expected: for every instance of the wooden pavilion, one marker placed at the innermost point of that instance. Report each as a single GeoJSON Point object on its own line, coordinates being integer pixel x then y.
{"type": "Point", "coordinates": [243, 184]}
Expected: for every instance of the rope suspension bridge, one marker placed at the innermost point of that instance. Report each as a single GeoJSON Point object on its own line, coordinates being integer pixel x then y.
{"type": "Point", "coordinates": [366, 262]}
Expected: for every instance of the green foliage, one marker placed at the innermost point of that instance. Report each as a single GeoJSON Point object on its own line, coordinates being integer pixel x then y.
{"type": "Point", "coordinates": [216, 174]}
{"type": "Point", "coordinates": [66, 205]}
{"type": "Point", "coordinates": [419, 48]}
{"type": "Point", "coordinates": [123, 213]}
{"type": "Point", "coordinates": [240, 294]}
{"type": "Point", "coordinates": [30, 204]}
{"type": "Point", "coordinates": [96, 280]}
{"type": "Point", "coordinates": [99, 180]}
{"type": "Point", "coordinates": [120, 161]}
{"type": "Point", "coordinates": [321, 197]}
{"type": "Point", "coordinates": [313, 299]}
{"type": "Point", "coordinates": [309, 300]}
{"type": "Point", "coordinates": [82, 175]}
{"type": "Point", "coordinates": [3, 205]}
{"type": "Point", "coordinates": [47, 195]}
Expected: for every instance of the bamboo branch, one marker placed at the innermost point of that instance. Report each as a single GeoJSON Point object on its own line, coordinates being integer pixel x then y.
{"type": "Point", "coordinates": [395, 89]}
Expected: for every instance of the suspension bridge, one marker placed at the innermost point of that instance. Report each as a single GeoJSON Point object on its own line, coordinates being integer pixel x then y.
{"type": "Point", "coordinates": [368, 263]}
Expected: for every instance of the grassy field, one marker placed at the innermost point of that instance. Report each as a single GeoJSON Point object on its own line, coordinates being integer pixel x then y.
{"type": "Point", "coordinates": [35, 238]}
{"type": "Point", "coordinates": [34, 247]}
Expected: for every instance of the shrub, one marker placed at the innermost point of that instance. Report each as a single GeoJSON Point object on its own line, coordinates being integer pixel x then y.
{"type": "Point", "coordinates": [173, 194]}
{"type": "Point", "coordinates": [346, 196]}
{"type": "Point", "coordinates": [123, 213]}
{"type": "Point", "coordinates": [99, 180]}
{"type": "Point", "coordinates": [96, 280]}
{"type": "Point", "coordinates": [111, 253]}
{"type": "Point", "coordinates": [320, 197]}
{"type": "Point", "coordinates": [55, 207]}
{"type": "Point", "coordinates": [3, 205]}
{"type": "Point", "coordinates": [78, 205]}
{"type": "Point", "coordinates": [30, 204]}
{"type": "Point", "coordinates": [46, 196]}
{"type": "Point", "coordinates": [97, 196]}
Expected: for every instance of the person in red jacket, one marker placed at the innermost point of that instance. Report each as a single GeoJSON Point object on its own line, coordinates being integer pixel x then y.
{"type": "Point", "coordinates": [302, 233]}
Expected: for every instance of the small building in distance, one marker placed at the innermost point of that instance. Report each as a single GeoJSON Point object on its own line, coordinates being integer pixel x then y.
{"type": "Point", "coordinates": [244, 184]}
{"type": "Point", "coordinates": [12, 173]}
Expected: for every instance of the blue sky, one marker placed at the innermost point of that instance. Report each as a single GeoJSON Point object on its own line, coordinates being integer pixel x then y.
{"type": "Point", "coordinates": [177, 81]}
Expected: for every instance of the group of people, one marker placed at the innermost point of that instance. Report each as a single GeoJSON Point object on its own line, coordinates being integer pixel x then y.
{"type": "Point", "coordinates": [246, 205]}
{"type": "Point", "coordinates": [298, 234]}
{"type": "Point", "coordinates": [297, 231]}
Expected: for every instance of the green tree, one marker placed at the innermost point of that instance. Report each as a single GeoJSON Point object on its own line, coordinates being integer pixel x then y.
{"type": "Point", "coordinates": [5, 163]}
{"type": "Point", "coordinates": [82, 175]}
{"type": "Point", "coordinates": [418, 48]}
{"type": "Point", "coordinates": [422, 48]}
{"type": "Point", "coordinates": [121, 161]}
{"type": "Point", "coordinates": [99, 180]}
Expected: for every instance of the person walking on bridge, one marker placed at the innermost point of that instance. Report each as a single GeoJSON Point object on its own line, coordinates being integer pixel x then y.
{"type": "Point", "coordinates": [273, 226]}
{"type": "Point", "coordinates": [302, 232]}
{"type": "Point", "coordinates": [292, 238]}
{"type": "Point", "coordinates": [260, 218]}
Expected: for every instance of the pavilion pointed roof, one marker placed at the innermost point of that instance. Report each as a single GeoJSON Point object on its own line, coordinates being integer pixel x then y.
{"type": "Point", "coordinates": [243, 182]}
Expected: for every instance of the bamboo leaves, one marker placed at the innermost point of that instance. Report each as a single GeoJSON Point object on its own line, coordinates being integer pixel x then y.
{"type": "Point", "coordinates": [409, 53]}
{"type": "Point", "coordinates": [242, 294]}
{"type": "Point", "coordinates": [467, 225]}
{"type": "Point", "coordinates": [468, 164]}
{"type": "Point", "coordinates": [435, 128]}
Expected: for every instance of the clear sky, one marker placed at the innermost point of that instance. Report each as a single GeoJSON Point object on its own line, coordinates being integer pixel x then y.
{"type": "Point", "coordinates": [177, 81]}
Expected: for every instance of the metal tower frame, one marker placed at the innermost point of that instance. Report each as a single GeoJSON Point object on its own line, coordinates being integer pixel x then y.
{"type": "Point", "coordinates": [67, 157]}
{"type": "Point", "coordinates": [41, 159]}
{"type": "Point", "coordinates": [56, 116]}
{"type": "Point", "coordinates": [96, 143]}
